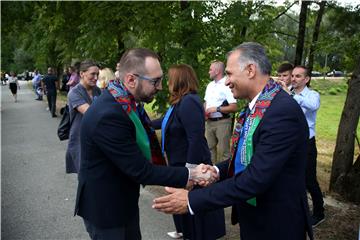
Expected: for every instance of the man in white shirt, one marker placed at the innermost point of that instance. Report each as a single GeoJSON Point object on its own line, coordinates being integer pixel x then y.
{"type": "Point", "coordinates": [219, 104]}
{"type": "Point", "coordinates": [309, 101]}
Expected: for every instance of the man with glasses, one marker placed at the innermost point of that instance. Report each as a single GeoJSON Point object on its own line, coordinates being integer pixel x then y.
{"type": "Point", "coordinates": [117, 147]}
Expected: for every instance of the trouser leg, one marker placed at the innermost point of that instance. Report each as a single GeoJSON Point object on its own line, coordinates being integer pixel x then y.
{"type": "Point", "coordinates": [53, 105]}
{"type": "Point", "coordinates": [211, 140]}
{"type": "Point", "coordinates": [312, 184]}
{"type": "Point", "coordinates": [49, 98]}
{"type": "Point", "coordinates": [223, 133]}
{"type": "Point", "coordinates": [131, 231]}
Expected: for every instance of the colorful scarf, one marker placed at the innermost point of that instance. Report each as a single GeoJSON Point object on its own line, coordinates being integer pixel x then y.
{"type": "Point", "coordinates": [145, 135]}
{"type": "Point", "coordinates": [247, 122]}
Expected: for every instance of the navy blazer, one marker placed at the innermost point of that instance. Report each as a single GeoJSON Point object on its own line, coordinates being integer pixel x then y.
{"type": "Point", "coordinates": [185, 142]}
{"type": "Point", "coordinates": [275, 176]}
{"type": "Point", "coordinates": [113, 167]}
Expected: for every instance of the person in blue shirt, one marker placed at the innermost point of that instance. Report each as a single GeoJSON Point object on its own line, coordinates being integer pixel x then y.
{"type": "Point", "coordinates": [36, 81]}
{"type": "Point", "coordinates": [309, 101]}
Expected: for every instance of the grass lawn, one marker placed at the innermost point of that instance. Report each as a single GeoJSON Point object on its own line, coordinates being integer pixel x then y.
{"type": "Point", "coordinates": [328, 116]}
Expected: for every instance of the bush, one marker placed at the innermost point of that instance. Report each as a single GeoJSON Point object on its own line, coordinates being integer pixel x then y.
{"type": "Point", "coordinates": [333, 91]}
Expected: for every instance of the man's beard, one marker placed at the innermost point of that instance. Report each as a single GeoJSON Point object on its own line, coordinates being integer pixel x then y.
{"type": "Point", "coordinates": [143, 97]}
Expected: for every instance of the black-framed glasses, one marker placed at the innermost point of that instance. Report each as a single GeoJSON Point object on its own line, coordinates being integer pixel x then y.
{"type": "Point", "coordinates": [154, 81]}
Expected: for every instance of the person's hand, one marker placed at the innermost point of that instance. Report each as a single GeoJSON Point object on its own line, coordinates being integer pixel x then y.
{"type": "Point", "coordinates": [190, 184]}
{"type": "Point", "coordinates": [284, 87]}
{"type": "Point", "coordinates": [210, 110]}
{"type": "Point", "coordinates": [207, 115]}
{"type": "Point", "coordinates": [202, 175]}
{"type": "Point", "coordinates": [174, 203]}
{"type": "Point", "coordinates": [214, 175]}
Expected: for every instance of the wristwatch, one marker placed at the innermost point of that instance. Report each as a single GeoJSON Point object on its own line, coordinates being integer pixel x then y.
{"type": "Point", "coordinates": [218, 109]}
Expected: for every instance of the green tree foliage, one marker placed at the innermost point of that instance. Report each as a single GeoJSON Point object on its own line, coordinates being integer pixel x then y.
{"type": "Point", "coordinates": [54, 33]}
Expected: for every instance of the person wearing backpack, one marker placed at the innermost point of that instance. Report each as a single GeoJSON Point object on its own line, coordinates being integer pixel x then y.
{"type": "Point", "coordinates": [79, 99]}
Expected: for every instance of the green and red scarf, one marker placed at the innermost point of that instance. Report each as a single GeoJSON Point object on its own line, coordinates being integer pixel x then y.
{"type": "Point", "coordinates": [145, 135]}
{"type": "Point", "coordinates": [247, 122]}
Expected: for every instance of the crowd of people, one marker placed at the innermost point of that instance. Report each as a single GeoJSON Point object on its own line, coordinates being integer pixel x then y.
{"type": "Point", "coordinates": [265, 159]}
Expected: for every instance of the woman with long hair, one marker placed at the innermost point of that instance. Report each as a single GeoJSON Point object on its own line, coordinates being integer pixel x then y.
{"type": "Point", "coordinates": [184, 144]}
{"type": "Point", "coordinates": [79, 99]}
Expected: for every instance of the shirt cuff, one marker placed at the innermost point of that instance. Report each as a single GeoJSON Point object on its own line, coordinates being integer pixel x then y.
{"type": "Point", "coordinates": [217, 170]}
{"type": "Point", "coordinates": [188, 175]}
{"type": "Point", "coordinates": [190, 210]}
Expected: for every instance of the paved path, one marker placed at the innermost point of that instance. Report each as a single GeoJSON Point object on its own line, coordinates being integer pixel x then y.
{"type": "Point", "coordinates": [37, 196]}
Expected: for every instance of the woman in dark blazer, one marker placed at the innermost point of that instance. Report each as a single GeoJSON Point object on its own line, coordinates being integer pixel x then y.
{"type": "Point", "coordinates": [184, 143]}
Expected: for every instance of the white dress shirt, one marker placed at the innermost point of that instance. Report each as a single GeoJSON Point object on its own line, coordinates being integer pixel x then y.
{"type": "Point", "coordinates": [216, 93]}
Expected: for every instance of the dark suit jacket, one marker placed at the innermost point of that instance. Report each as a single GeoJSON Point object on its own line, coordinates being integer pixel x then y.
{"type": "Point", "coordinates": [113, 167]}
{"type": "Point", "coordinates": [184, 133]}
{"type": "Point", "coordinates": [185, 142]}
{"type": "Point", "coordinates": [275, 176]}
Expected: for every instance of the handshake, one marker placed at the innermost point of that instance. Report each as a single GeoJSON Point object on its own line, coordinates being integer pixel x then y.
{"type": "Point", "coordinates": [202, 175]}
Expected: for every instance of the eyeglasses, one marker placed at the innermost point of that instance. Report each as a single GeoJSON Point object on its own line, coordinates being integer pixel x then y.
{"type": "Point", "coordinates": [154, 81]}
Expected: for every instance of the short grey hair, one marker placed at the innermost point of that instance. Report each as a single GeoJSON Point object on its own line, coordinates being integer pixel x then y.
{"type": "Point", "coordinates": [252, 52]}
{"type": "Point", "coordinates": [219, 65]}
{"type": "Point", "coordinates": [133, 61]}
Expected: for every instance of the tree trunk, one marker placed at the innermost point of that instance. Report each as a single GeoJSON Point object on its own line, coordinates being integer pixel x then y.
{"type": "Point", "coordinates": [345, 174]}
{"type": "Point", "coordinates": [301, 33]}
{"type": "Point", "coordinates": [316, 35]}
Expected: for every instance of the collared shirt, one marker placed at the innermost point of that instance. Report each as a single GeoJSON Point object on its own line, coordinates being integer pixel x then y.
{"type": "Point", "coordinates": [216, 93]}
{"type": "Point", "coordinates": [253, 101]}
{"type": "Point", "coordinates": [251, 107]}
{"type": "Point", "coordinates": [36, 79]}
{"type": "Point", "coordinates": [309, 101]}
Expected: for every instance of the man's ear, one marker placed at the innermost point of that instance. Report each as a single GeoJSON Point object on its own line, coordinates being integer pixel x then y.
{"type": "Point", "coordinates": [251, 70]}
{"type": "Point", "coordinates": [130, 80]}
{"type": "Point", "coordinates": [307, 79]}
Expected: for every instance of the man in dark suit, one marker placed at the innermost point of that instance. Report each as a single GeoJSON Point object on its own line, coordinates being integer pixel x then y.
{"type": "Point", "coordinates": [115, 156]}
{"type": "Point", "coordinates": [267, 192]}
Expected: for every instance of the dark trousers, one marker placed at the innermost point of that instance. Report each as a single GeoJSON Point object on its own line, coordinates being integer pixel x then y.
{"type": "Point", "coordinates": [177, 222]}
{"type": "Point", "coordinates": [51, 97]}
{"type": "Point", "coordinates": [312, 184]}
{"type": "Point", "coordinates": [131, 231]}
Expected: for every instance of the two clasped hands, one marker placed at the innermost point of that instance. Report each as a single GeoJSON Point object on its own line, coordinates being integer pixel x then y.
{"type": "Point", "coordinates": [176, 202]}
